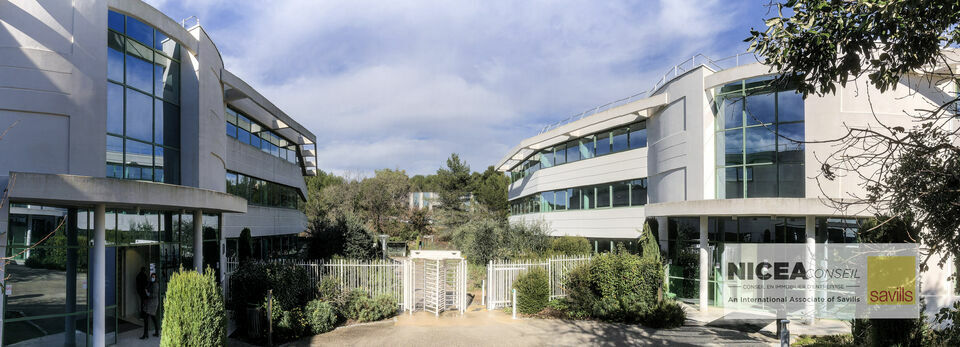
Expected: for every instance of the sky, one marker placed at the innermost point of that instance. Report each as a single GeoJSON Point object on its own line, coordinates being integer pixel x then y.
{"type": "Point", "coordinates": [403, 84]}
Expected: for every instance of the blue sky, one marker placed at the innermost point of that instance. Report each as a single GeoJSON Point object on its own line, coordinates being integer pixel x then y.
{"type": "Point", "coordinates": [394, 84]}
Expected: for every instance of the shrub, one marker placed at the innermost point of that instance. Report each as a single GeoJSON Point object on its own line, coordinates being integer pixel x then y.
{"type": "Point", "coordinates": [570, 245]}
{"type": "Point", "coordinates": [321, 316]}
{"type": "Point", "coordinates": [614, 287]}
{"type": "Point", "coordinates": [665, 314]}
{"type": "Point", "coordinates": [250, 283]}
{"type": "Point", "coordinates": [361, 308]}
{"type": "Point", "coordinates": [193, 311]}
{"type": "Point", "coordinates": [533, 291]}
{"type": "Point", "coordinates": [244, 246]}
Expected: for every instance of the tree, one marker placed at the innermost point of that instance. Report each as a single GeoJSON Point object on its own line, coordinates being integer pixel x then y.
{"type": "Point", "coordinates": [383, 199]}
{"type": "Point", "coordinates": [244, 246]}
{"type": "Point", "coordinates": [915, 173]}
{"type": "Point", "coordinates": [491, 191]}
{"type": "Point", "coordinates": [454, 182]}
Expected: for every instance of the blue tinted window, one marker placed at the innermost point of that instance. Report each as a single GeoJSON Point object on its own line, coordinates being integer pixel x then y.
{"type": "Point", "coordinates": [243, 136]}
{"type": "Point", "coordinates": [139, 155]}
{"type": "Point", "coordinates": [139, 73]}
{"type": "Point", "coordinates": [139, 115]}
{"type": "Point", "coordinates": [761, 109]}
{"type": "Point", "coordinates": [114, 108]}
{"type": "Point", "coordinates": [573, 151]}
{"type": "Point", "coordinates": [733, 147]}
{"type": "Point", "coordinates": [115, 57]}
{"type": "Point", "coordinates": [760, 144]}
{"type": "Point", "coordinates": [732, 112]}
{"type": "Point", "coordinates": [587, 148]}
{"type": "Point", "coordinates": [638, 135]}
{"type": "Point", "coordinates": [115, 21]}
{"type": "Point", "coordinates": [231, 130]}
{"type": "Point", "coordinates": [619, 140]}
{"type": "Point", "coordinates": [140, 31]}
{"type": "Point", "coordinates": [789, 107]}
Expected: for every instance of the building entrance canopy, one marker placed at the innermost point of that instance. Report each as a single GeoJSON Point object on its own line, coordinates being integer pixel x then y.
{"type": "Point", "coordinates": [86, 191]}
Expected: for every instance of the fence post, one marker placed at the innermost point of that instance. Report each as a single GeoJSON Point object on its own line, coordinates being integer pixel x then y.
{"type": "Point", "coordinates": [483, 293]}
{"type": "Point", "coordinates": [269, 317]}
{"type": "Point", "coordinates": [514, 304]}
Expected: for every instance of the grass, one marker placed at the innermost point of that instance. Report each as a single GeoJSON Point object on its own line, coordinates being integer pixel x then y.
{"type": "Point", "coordinates": [824, 340]}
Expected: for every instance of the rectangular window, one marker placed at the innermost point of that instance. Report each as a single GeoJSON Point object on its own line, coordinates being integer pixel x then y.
{"type": "Point", "coordinates": [603, 143]}
{"type": "Point", "coordinates": [638, 192]}
{"type": "Point", "coordinates": [621, 194]}
{"type": "Point", "coordinates": [638, 135]}
{"type": "Point", "coordinates": [618, 140]}
{"type": "Point", "coordinates": [589, 198]}
{"type": "Point", "coordinates": [573, 196]}
{"type": "Point", "coordinates": [139, 115]}
{"type": "Point", "coordinates": [573, 151]}
{"type": "Point", "coordinates": [560, 154]}
{"type": "Point", "coordinates": [546, 199]}
{"type": "Point", "coordinates": [603, 196]}
{"type": "Point", "coordinates": [560, 197]}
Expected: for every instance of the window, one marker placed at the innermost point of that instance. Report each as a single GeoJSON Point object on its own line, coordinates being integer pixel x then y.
{"type": "Point", "coordinates": [614, 194]}
{"type": "Point", "coordinates": [605, 142]}
{"type": "Point", "coordinates": [255, 134]}
{"type": "Point", "coordinates": [759, 141]}
{"type": "Point", "coordinates": [260, 192]}
{"type": "Point", "coordinates": [143, 96]}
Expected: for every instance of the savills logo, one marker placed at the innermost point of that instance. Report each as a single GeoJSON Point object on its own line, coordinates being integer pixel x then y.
{"type": "Point", "coordinates": [891, 280]}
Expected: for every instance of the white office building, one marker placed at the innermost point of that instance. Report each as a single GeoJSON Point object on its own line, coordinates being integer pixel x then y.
{"type": "Point", "coordinates": [706, 158]}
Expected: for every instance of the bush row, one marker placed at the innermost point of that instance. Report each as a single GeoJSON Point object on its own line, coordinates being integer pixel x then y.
{"type": "Point", "coordinates": [616, 287]}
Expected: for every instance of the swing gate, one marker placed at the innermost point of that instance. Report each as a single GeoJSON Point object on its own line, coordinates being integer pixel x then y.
{"type": "Point", "coordinates": [435, 281]}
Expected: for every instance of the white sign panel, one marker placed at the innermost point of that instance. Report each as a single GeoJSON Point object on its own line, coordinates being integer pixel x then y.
{"type": "Point", "coordinates": [839, 281]}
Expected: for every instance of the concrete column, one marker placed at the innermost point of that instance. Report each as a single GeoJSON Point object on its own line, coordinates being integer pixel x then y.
{"type": "Point", "coordinates": [704, 265]}
{"type": "Point", "coordinates": [809, 262]}
{"type": "Point", "coordinates": [98, 271]}
{"type": "Point", "coordinates": [198, 240]}
{"type": "Point", "coordinates": [662, 237]}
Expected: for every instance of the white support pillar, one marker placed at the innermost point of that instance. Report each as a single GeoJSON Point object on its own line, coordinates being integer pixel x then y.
{"type": "Point", "coordinates": [98, 270]}
{"type": "Point", "coordinates": [704, 265]}
{"type": "Point", "coordinates": [809, 262]}
{"type": "Point", "coordinates": [198, 240]}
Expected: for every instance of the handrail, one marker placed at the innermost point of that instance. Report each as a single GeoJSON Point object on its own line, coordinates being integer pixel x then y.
{"type": "Point", "coordinates": [674, 72]}
{"type": "Point", "coordinates": [196, 22]}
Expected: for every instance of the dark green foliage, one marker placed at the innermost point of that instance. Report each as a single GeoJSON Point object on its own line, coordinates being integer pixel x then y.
{"type": "Point", "coordinates": [948, 332]}
{"type": "Point", "coordinates": [455, 182]}
{"type": "Point", "coordinates": [491, 191]}
{"type": "Point", "coordinates": [664, 315]}
{"type": "Point", "coordinates": [570, 245]}
{"type": "Point", "coordinates": [617, 286]}
{"type": "Point", "coordinates": [360, 307]}
{"type": "Point", "coordinates": [346, 237]}
{"type": "Point", "coordinates": [244, 246]}
{"type": "Point", "coordinates": [321, 316]}
{"type": "Point", "coordinates": [533, 291]}
{"type": "Point", "coordinates": [55, 257]}
{"type": "Point", "coordinates": [526, 240]}
{"type": "Point", "coordinates": [249, 284]}
{"type": "Point", "coordinates": [329, 290]}
{"type": "Point", "coordinates": [193, 311]}
{"type": "Point", "coordinates": [649, 244]}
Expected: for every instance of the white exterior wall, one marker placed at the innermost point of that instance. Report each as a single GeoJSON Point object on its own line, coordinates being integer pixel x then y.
{"type": "Point", "coordinates": [53, 86]}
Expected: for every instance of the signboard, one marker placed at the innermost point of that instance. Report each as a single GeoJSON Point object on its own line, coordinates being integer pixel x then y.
{"type": "Point", "coordinates": [839, 281]}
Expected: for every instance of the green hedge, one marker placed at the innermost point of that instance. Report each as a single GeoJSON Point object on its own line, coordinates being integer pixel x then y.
{"type": "Point", "coordinates": [533, 291]}
{"type": "Point", "coordinates": [570, 245]}
{"type": "Point", "coordinates": [362, 308]}
{"type": "Point", "coordinates": [193, 311]}
{"type": "Point", "coordinates": [618, 287]}
{"type": "Point", "coordinates": [321, 316]}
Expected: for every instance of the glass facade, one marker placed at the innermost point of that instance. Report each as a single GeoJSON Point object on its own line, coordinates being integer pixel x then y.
{"type": "Point", "coordinates": [143, 102]}
{"type": "Point", "coordinates": [759, 140]}
{"type": "Point", "coordinates": [248, 131]}
{"type": "Point", "coordinates": [605, 142]}
{"type": "Point", "coordinates": [615, 194]}
{"type": "Point", "coordinates": [260, 192]}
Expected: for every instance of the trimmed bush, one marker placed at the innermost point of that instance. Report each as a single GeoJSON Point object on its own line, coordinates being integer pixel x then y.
{"type": "Point", "coordinates": [193, 311]}
{"type": "Point", "coordinates": [533, 291]}
{"type": "Point", "coordinates": [321, 316]}
{"type": "Point", "coordinates": [361, 308]}
{"type": "Point", "coordinates": [570, 245]}
{"type": "Point", "coordinates": [618, 287]}
{"type": "Point", "coordinates": [664, 315]}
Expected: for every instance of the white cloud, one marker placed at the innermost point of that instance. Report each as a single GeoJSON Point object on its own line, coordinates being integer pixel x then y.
{"type": "Point", "coordinates": [387, 84]}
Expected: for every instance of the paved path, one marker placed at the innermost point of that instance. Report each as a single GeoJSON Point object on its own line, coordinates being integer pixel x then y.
{"type": "Point", "coordinates": [495, 328]}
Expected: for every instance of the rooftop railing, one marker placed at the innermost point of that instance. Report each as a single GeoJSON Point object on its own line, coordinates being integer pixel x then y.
{"type": "Point", "coordinates": [674, 72]}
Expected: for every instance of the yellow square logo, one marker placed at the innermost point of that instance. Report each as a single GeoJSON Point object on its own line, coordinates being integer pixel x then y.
{"type": "Point", "coordinates": [891, 280]}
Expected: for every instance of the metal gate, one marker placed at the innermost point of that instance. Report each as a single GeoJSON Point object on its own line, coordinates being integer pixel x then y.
{"type": "Point", "coordinates": [437, 282]}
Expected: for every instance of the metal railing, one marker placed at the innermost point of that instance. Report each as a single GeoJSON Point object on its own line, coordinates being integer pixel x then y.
{"type": "Point", "coordinates": [672, 73]}
{"type": "Point", "coordinates": [502, 274]}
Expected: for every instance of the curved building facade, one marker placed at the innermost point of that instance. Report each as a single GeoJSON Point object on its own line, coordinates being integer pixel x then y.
{"type": "Point", "coordinates": [711, 156]}
{"type": "Point", "coordinates": [127, 145]}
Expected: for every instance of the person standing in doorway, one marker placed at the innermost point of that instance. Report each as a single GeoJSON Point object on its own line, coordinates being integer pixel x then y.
{"type": "Point", "coordinates": [150, 307]}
